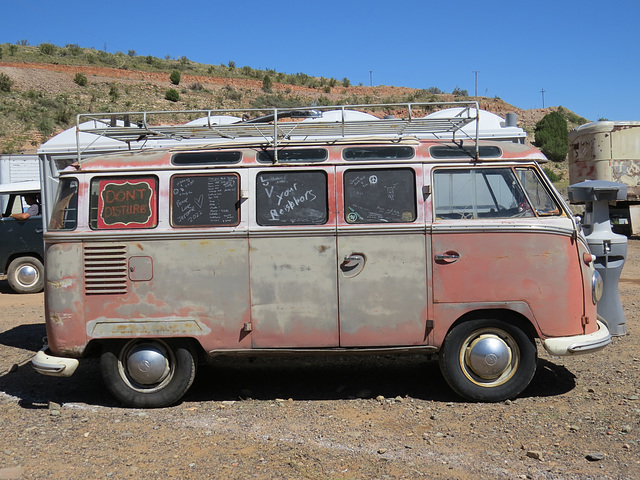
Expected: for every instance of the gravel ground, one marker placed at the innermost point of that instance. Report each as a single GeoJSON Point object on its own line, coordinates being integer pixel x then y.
{"type": "Point", "coordinates": [381, 417]}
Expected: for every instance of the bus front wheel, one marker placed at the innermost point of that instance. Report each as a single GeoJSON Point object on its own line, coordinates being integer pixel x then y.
{"type": "Point", "coordinates": [488, 360]}
{"type": "Point", "coordinates": [148, 373]}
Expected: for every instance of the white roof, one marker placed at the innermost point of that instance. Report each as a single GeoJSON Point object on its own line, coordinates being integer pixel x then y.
{"type": "Point", "coordinates": [20, 187]}
{"type": "Point", "coordinates": [65, 142]}
{"type": "Point", "coordinates": [492, 126]}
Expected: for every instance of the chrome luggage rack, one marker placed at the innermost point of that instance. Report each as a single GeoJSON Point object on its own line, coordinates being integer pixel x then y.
{"type": "Point", "coordinates": [272, 126]}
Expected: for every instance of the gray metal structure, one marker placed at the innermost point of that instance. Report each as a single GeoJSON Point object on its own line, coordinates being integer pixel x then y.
{"type": "Point", "coordinates": [609, 248]}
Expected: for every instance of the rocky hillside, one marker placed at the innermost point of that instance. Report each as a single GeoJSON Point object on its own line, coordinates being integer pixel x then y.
{"type": "Point", "coordinates": [44, 97]}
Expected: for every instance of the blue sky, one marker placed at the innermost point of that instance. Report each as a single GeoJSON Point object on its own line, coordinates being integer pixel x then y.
{"type": "Point", "coordinates": [584, 54]}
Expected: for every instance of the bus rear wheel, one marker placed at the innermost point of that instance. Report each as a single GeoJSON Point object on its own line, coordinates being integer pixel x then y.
{"type": "Point", "coordinates": [488, 360]}
{"type": "Point", "coordinates": [148, 373]}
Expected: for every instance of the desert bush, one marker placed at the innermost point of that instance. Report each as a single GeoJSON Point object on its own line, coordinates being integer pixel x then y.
{"type": "Point", "coordinates": [553, 176]}
{"type": "Point", "coordinates": [175, 77]}
{"type": "Point", "coordinates": [80, 79]}
{"type": "Point", "coordinates": [114, 93]}
{"type": "Point", "coordinates": [552, 136]}
{"type": "Point", "coordinates": [13, 50]}
{"type": "Point", "coordinates": [0, 51]}
{"type": "Point", "coordinates": [172, 95]}
{"type": "Point", "coordinates": [73, 49]}
{"type": "Point", "coordinates": [458, 92]}
{"type": "Point", "coordinates": [346, 82]}
{"type": "Point", "coordinates": [5, 83]}
{"type": "Point", "coordinates": [196, 87]}
{"type": "Point", "coordinates": [266, 84]}
{"type": "Point", "coordinates": [47, 48]}
{"type": "Point", "coordinates": [131, 53]}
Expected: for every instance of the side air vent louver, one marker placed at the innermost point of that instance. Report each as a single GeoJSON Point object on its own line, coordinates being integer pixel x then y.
{"type": "Point", "coordinates": [105, 269]}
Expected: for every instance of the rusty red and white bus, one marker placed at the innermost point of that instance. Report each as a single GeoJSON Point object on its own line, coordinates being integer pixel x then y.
{"type": "Point", "coordinates": [323, 234]}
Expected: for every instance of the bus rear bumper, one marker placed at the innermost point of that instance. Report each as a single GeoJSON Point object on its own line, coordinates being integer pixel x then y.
{"type": "Point", "coordinates": [48, 364]}
{"type": "Point", "coordinates": [578, 344]}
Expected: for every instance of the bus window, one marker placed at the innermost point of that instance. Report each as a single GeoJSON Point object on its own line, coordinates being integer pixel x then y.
{"type": "Point", "coordinates": [479, 193]}
{"type": "Point", "coordinates": [64, 215]}
{"type": "Point", "coordinates": [123, 202]}
{"type": "Point", "coordinates": [205, 200]}
{"type": "Point", "coordinates": [380, 196]}
{"type": "Point", "coordinates": [291, 198]}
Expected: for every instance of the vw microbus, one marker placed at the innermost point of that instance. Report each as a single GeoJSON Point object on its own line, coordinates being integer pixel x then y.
{"type": "Point", "coordinates": [314, 231]}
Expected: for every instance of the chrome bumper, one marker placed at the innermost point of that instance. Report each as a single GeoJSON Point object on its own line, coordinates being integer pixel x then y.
{"type": "Point", "coordinates": [578, 344]}
{"type": "Point", "coordinates": [47, 364]}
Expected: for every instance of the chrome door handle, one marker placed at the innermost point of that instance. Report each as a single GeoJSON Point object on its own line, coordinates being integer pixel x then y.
{"type": "Point", "coordinates": [448, 257]}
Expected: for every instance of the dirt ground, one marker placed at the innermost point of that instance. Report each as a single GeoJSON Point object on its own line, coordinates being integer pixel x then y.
{"type": "Point", "coordinates": [373, 418]}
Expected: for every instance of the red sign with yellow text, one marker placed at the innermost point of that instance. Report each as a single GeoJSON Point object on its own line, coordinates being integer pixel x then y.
{"type": "Point", "coordinates": [127, 203]}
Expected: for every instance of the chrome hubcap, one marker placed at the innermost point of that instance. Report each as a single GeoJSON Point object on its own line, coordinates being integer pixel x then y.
{"type": "Point", "coordinates": [27, 275]}
{"type": "Point", "coordinates": [488, 356]}
{"type": "Point", "coordinates": [148, 364]}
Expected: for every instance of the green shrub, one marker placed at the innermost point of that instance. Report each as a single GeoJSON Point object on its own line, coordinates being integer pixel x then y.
{"type": "Point", "coordinates": [346, 82]}
{"type": "Point", "coordinates": [12, 50]}
{"type": "Point", "coordinates": [131, 53]}
{"type": "Point", "coordinates": [114, 93]}
{"type": "Point", "coordinates": [0, 51]}
{"type": "Point", "coordinates": [45, 126]}
{"type": "Point", "coordinates": [552, 136]}
{"type": "Point", "coordinates": [266, 83]}
{"type": "Point", "coordinates": [175, 77]}
{"type": "Point", "coordinates": [47, 48]}
{"type": "Point", "coordinates": [80, 79]}
{"type": "Point", "coordinates": [458, 92]}
{"type": "Point", "coordinates": [553, 176]}
{"type": "Point", "coordinates": [5, 83]}
{"type": "Point", "coordinates": [73, 49]}
{"type": "Point", "coordinates": [172, 95]}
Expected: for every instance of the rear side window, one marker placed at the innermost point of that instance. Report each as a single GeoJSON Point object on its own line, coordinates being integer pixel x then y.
{"type": "Point", "coordinates": [205, 200]}
{"type": "Point", "coordinates": [291, 198]}
{"type": "Point", "coordinates": [64, 215]}
{"type": "Point", "coordinates": [479, 193]}
{"type": "Point", "coordinates": [123, 202]}
{"type": "Point", "coordinates": [380, 196]}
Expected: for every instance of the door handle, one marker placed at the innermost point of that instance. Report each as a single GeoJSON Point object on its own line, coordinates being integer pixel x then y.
{"type": "Point", "coordinates": [447, 257]}
{"type": "Point", "coordinates": [352, 264]}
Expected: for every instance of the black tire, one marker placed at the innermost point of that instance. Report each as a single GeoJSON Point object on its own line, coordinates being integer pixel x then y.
{"type": "Point", "coordinates": [148, 373]}
{"type": "Point", "coordinates": [26, 275]}
{"type": "Point", "coordinates": [488, 360]}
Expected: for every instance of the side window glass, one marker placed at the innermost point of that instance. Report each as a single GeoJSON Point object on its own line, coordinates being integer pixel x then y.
{"type": "Point", "coordinates": [479, 193]}
{"type": "Point", "coordinates": [205, 200]}
{"type": "Point", "coordinates": [291, 198]}
{"type": "Point", "coordinates": [380, 196]}
{"type": "Point", "coordinates": [123, 202]}
{"type": "Point", "coordinates": [541, 200]}
{"type": "Point", "coordinates": [64, 215]}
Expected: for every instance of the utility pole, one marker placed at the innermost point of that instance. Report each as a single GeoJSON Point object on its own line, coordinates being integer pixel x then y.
{"type": "Point", "coordinates": [542, 92]}
{"type": "Point", "coordinates": [371, 78]}
{"type": "Point", "coordinates": [476, 82]}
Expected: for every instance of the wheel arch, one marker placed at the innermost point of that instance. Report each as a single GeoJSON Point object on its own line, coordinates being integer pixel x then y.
{"type": "Point", "coordinates": [504, 314]}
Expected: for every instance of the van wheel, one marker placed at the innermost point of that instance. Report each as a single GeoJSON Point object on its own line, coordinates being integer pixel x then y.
{"type": "Point", "coordinates": [488, 360]}
{"type": "Point", "coordinates": [26, 275]}
{"type": "Point", "coordinates": [148, 373]}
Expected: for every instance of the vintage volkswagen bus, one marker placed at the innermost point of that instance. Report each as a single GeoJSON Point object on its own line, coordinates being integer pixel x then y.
{"type": "Point", "coordinates": [318, 236]}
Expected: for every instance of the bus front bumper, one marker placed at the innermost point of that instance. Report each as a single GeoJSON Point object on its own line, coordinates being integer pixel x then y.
{"type": "Point", "coordinates": [47, 364]}
{"type": "Point", "coordinates": [578, 344]}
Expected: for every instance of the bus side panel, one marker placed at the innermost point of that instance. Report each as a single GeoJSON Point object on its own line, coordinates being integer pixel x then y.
{"type": "Point", "coordinates": [539, 269]}
{"type": "Point", "coordinates": [188, 288]}
{"type": "Point", "coordinates": [66, 333]}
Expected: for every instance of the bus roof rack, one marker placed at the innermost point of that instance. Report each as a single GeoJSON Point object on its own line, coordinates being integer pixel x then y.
{"type": "Point", "coordinates": [273, 125]}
